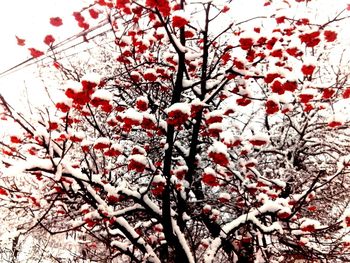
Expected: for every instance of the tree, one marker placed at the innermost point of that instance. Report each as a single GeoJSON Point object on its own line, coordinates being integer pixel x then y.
{"type": "Point", "coordinates": [206, 139]}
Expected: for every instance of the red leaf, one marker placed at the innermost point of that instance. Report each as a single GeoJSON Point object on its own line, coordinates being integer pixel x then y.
{"type": "Point", "coordinates": [308, 228]}
{"type": "Point", "coordinates": [177, 117]}
{"type": "Point", "coordinates": [20, 41]}
{"type": "Point", "coordinates": [93, 13]}
{"type": "Point", "coordinates": [225, 9]}
{"type": "Point", "coordinates": [330, 36]}
{"type": "Point", "coordinates": [219, 158]}
{"type": "Point", "coordinates": [243, 101]}
{"type": "Point", "coordinates": [280, 20]}
{"type": "Point", "coordinates": [310, 39]}
{"type": "Point", "coordinates": [327, 93]}
{"type": "Point", "coordinates": [78, 17]}
{"type": "Point", "coordinates": [277, 87]}
{"type": "Point", "coordinates": [49, 39]}
{"type": "Point", "coordinates": [210, 179]}
{"type": "Point", "coordinates": [246, 43]}
{"type": "Point", "coordinates": [56, 21]}
{"type": "Point", "coordinates": [271, 77]}
{"type": "Point", "coordinates": [307, 69]}
{"type": "Point", "coordinates": [295, 52]}
{"type": "Point", "coordinates": [15, 139]}
{"type": "Point", "coordinates": [277, 53]}
{"type": "Point", "coordinates": [179, 21]}
{"type": "Point", "coordinates": [271, 107]}
{"type": "Point", "coordinates": [3, 191]}
{"type": "Point", "coordinates": [62, 107]}
{"type": "Point", "coordinates": [258, 142]}
{"type": "Point", "coordinates": [305, 98]}
{"type": "Point", "coordinates": [346, 93]}
{"type": "Point", "coordinates": [35, 53]}
{"type": "Point", "coordinates": [334, 124]}
{"type": "Point", "coordinates": [56, 65]}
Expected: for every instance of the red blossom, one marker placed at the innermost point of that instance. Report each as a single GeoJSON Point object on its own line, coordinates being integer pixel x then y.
{"type": "Point", "coordinates": [312, 208]}
{"type": "Point", "coordinates": [101, 146]}
{"type": "Point", "coordinates": [225, 58]}
{"type": "Point", "coordinates": [262, 40]}
{"type": "Point", "coordinates": [148, 123]}
{"type": "Point", "coordinates": [223, 199]}
{"type": "Point", "coordinates": [210, 179]}
{"type": "Point", "coordinates": [305, 98]}
{"type": "Point", "coordinates": [99, 102]}
{"type": "Point", "coordinates": [53, 125]}
{"type": "Point", "coordinates": [277, 87]}
{"type": "Point", "coordinates": [310, 39]}
{"type": "Point", "coordinates": [219, 158]}
{"type": "Point", "coordinates": [347, 221]}
{"type": "Point", "coordinates": [290, 86]}
{"type": "Point", "coordinates": [141, 104]}
{"type": "Point", "coordinates": [179, 21]}
{"type": "Point", "coordinates": [295, 52]}
{"type": "Point", "coordinates": [243, 101]}
{"type": "Point", "coordinates": [330, 36]}
{"type": "Point", "coordinates": [35, 53]}
{"type": "Point", "coordinates": [85, 148]}
{"type": "Point", "coordinates": [49, 39]}
{"type": "Point", "coordinates": [177, 117]}
{"type": "Point", "coordinates": [270, 44]}
{"type": "Point", "coordinates": [280, 20]}
{"type": "Point", "coordinates": [56, 64]}
{"type": "Point", "coordinates": [75, 138]}
{"type": "Point", "coordinates": [15, 139]}
{"type": "Point", "coordinates": [213, 119]}
{"type": "Point", "coordinates": [283, 215]}
{"type": "Point", "coordinates": [214, 131]}
{"type": "Point", "coordinates": [346, 93]}
{"type": "Point", "coordinates": [307, 69]}
{"type": "Point", "coordinates": [62, 107]}
{"type": "Point", "coordinates": [113, 199]}
{"type": "Point", "coordinates": [277, 53]}
{"type": "Point", "coordinates": [327, 93]}
{"type": "Point", "coordinates": [257, 142]}
{"type": "Point", "coordinates": [20, 41]}
{"type": "Point", "coordinates": [93, 13]}
{"type": "Point", "coordinates": [308, 107]}
{"type": "Point", "coordinates": [246, 43]}
{"type": "Point", "coordinates": [225, 9]}
{"type": "Point", "coordinates": [84, 25]}
{"type": "Point", "coordinates": [308, 228]}
{"type": "Point", "coordinates": [137, 166]}
{"type": "Point", "coordinates": [89, 85]}
{"type": "Point", "coordinates": [157, 190]}
{"type": "Point", "coordinates": [162, 5]}
{"type": "Point", "coordinates": [3, 191]}
{"type": "Point", "coordinates": [271, 107]}
{"type": "Point", "coordinates": [334, 124]}
{"type": "Point", "coordinates": [189, 34]}
{"type": "Point", "coordinates": [269, 78]}
{"type": "Point", "coordinates": [56, 21]}
{"type": "Point", "coordinates": [303, 21]}
{"type": "Point", "coordinates": [150, 76]}
{"type": "Point", "coordinates": [78, 17]}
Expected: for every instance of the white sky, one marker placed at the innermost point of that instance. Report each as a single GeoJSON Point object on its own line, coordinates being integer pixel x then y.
{"type": "Point", "coordinates": [30, 20]}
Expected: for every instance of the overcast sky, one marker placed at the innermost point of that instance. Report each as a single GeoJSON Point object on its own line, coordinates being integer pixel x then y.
{"type": "Point", "coordinates": [30, 20]}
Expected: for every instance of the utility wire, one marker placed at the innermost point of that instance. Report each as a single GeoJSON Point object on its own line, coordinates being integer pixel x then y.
{"type": "Point", "coordinates": [26, 63]}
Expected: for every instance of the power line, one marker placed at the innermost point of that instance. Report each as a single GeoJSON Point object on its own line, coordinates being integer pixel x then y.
{"type": "Point", "coordinates": [26, 63]}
